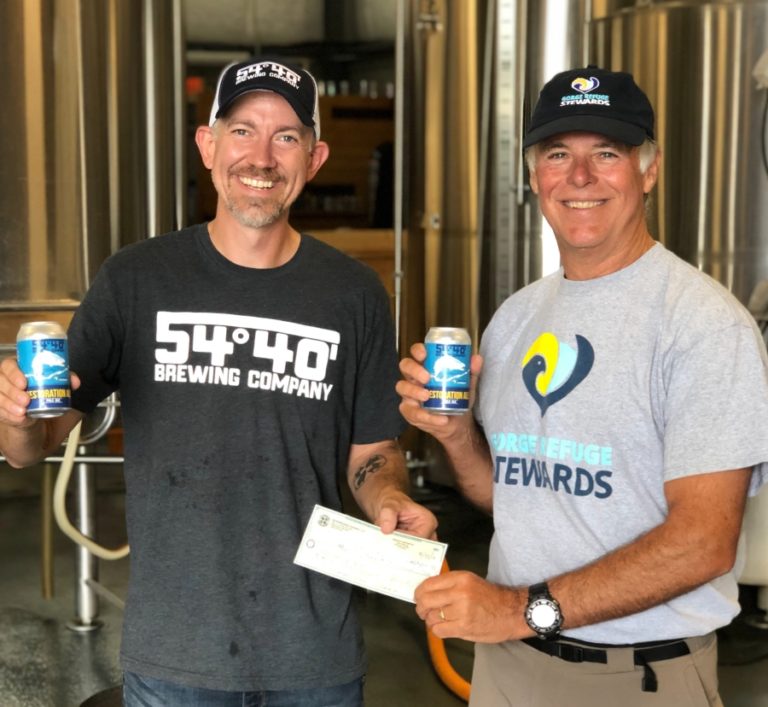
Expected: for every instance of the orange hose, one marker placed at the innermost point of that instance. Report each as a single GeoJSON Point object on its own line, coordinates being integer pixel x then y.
{"type": "Point", "coordinates": [445, 671]}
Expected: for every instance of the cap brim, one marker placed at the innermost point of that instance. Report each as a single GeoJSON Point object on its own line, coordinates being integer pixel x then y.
{"type": "Point", "coordinates": [289, 96]}
{"type": "Point", "coordinates": [614, 129]}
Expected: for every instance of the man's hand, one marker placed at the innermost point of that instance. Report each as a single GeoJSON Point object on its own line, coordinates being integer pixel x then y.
{"type": "Point", "coordinates": [460, 604]}
{"type": "Point", "coordinates": [378, 478]}
{"type": "Point", "coordinates": [399, 512]}
{"type": "Point", "coordinates": [26, 440]}
{"type": "Point", "coordinates": [413, 393]}
{"type": "Point", "coordinates": [14, 399]}
{"type": "Point", "coordinates": [464, 443]}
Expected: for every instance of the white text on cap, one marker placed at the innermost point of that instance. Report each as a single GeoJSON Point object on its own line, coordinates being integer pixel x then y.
{"type": "Point", "coordinates": [277, 71]}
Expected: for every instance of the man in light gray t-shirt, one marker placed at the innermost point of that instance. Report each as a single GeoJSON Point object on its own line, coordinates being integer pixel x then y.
{"type": "Point", "coordinates": [618, 428]}
{"type": "Point", "coordinates": [669, 394]}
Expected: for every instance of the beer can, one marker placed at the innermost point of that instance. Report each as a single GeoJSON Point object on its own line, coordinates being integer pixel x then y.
{"type": "Point", "coordinates": [448, 353]}
{"type": "Point", "coordinates": [43, 357]}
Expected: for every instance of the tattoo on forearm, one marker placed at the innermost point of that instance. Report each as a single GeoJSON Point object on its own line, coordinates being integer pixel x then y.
{"type": "Point", "coordinates": [370, 467]}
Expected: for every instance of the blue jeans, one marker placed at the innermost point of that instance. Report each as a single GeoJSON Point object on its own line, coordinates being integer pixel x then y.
{"type": "Point", "coordinates": [139, 691]}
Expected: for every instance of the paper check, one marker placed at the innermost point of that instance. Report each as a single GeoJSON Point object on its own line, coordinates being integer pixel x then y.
{"type": "Point", "coordinates": [359, 553]}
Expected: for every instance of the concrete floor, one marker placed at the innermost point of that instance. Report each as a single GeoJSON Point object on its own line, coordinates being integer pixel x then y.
{"type": "Point", "coordinates": [45, 664]}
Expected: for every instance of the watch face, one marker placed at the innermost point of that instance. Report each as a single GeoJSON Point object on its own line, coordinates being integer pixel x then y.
{"type": "Point", "coordinates": [543, 614]}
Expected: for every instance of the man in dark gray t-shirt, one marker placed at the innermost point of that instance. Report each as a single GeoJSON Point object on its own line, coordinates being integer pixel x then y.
{"type": "Point", "coordinates": [256, 368]}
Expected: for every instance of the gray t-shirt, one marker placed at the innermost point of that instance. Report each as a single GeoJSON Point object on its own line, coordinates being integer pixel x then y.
{"type": "Point", "coordinates": [593, 395]}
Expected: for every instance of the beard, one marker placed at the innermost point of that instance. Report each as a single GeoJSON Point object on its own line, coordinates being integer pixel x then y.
{"type": "Point", "coordinates": [257, 211]}
{"type": "Point", "coordinates": [254, 214]}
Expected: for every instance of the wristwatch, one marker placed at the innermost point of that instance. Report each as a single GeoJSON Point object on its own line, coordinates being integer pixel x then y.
{"type": "Point", "coordinates": [542, 613]}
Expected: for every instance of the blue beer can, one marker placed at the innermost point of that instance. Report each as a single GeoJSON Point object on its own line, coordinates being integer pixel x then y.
{"type": "Point", "coordinates": [43, 357]}
{"type": "Point", "coordinates": [449, 350]}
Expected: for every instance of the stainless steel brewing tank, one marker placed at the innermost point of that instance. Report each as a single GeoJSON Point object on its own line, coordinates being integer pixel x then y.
{"type": "Point", "coordinates": [695, 62]}
{"type": "Point", "coordinates": [88, 153]}
{"type": "Point", "coordinates": [535, 39]}
{"type": "Point", "coordinates": [441, 87]}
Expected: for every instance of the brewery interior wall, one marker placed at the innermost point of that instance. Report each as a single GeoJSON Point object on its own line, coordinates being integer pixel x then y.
{"type": "Point", "coordinates": [73, 208]}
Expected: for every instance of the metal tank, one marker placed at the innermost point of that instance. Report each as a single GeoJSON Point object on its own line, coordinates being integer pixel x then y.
{"type": "Point", "coordinates": [440, 46]}
{"type": "Point", "coordinates": [474, 229]}
{"type": "Point", "coordinates": [441, 165]}
{"type": "Point", "coordinates": [91, 143]}
{"type": "Point", "coordinates": [534, 41]}
{"type": "Point", "coordinates": [695, 60]}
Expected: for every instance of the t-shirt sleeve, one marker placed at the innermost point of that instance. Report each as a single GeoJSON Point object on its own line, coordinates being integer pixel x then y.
{"type": "Point", "coordinates": [716, 406]}
{"type": "Point", "coordinates": [376, 416]}
{"type": "Point", "coordinates": [94, 343]}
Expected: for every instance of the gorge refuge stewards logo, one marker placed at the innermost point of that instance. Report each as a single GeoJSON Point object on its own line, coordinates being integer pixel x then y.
{"type": "Point", "coordinates": [585, 95]}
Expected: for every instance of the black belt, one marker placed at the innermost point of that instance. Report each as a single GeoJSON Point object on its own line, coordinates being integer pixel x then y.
{"type": "Point", "coordinates": [587, 654]}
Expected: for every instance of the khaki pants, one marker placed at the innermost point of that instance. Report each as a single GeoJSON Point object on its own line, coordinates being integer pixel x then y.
{"type": "Point", "coordinates": [518, 675]}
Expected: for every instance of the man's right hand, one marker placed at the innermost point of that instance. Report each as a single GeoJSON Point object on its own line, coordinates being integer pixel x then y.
{"type": "Point", "coordinates": [461, 437]}
{"type": "Point", "coordinates": [413, 393]}
{"type": "Point", "coordinates": [26, 440]}
{"type": "Point", "coordinates": [14, 399]}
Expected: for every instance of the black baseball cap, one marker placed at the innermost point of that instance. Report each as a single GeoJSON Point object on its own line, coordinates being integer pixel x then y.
{"type": "Point", "coordinates": [592, 100]}
{"type": "Point", "coordinates": [293, 83]}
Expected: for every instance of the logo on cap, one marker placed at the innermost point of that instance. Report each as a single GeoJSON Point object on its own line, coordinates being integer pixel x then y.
{"type": "Point", "coordinates": [268, 68]}
{"type": "Point", "coordinates": [585, 86]}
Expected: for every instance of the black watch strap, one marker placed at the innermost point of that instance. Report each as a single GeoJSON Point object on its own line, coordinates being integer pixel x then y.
{"type": "Point", "coordinates": [536, 590]}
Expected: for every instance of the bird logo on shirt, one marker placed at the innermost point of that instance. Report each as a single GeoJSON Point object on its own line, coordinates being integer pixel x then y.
{"type": "Point", "coordinates": [552, 369]}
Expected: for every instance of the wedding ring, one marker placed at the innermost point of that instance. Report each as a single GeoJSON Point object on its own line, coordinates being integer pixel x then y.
{"type": "Point", "coordinates": [442, 615]}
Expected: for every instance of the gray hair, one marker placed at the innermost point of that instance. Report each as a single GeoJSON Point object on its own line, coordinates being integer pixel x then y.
{"type": "Point", "coordinates": [647, 154]}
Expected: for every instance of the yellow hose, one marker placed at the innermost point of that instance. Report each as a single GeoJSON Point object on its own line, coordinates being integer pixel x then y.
{"type": "Point", "coordinates": [60, 507]}
{"type": "Point", "coordinates": [445, 671]}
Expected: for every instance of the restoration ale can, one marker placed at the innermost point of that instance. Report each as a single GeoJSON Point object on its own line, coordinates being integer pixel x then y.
{"type": "Point", "coordinates": [448, 353]}
{"type": "Point", "coordinates": [41, 349]}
